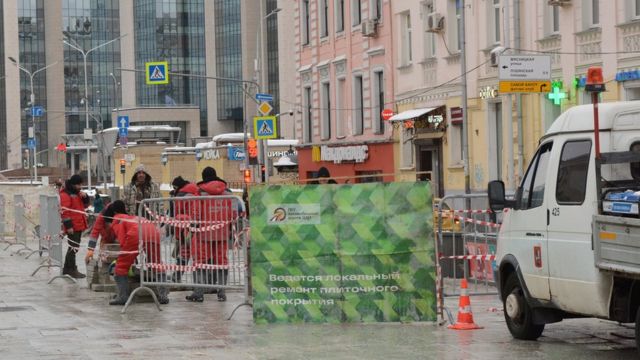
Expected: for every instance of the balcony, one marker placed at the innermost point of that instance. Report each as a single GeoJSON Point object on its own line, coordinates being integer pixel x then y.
{"type": "Point", "coordinates": [589, 46]}
{"type": "Point", "coordinates": [629, 37]}
{"type": "Point", "coordinates": [553, 45]}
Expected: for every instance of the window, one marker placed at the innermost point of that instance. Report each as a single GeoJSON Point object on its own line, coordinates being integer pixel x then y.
{"type": "Point", "coordinates": [572, 172]}
{"type": "Point", "coordinates": [636, 8]}
{"type": "Point", "coordinates": [456, 140]}
{"type": "Point", "coordinates": [405, 41]}
{"type": "Point", "coordinates": [555, 19]}
{"type": "Point", "coordinates": [326, 111]}
{"type": "Point", "coordinates": [429, 37]}
{"type": "Point", "coordinates": [495, 10]}
{"type": "Point", "coordinates": [356, 17]}
{"type": "Point", "coordinates": [372, 176]}
{"type": "Point", "coordinates": [307, 126]}
{"type": "Point", "coordinates": [635, 166]}
{"type": "Point", "coordinates": [454, 12]}
{"type": "Point", "coordinates": [378, 91]}
{"type": "Point", "coordinates": [358, 105]}
{"type": "Point", "coordinates": [340, 111]}
{"type": "Point", "coordinates": [324, 18]}
{"type": "Point", "coordinates": [590, 13]}
{"type": "Point", "coordinates": [376, 9]}
{"type": "Point", "coordinates": [531, 192]}
{"type": "Point", "coordinates": [407, 147]}
{"type": "Point", "coordinates": [595, 12]}
{"type": "Point", "coordinates": [339, 15]}
{"type": "Point", "coordinates": [305, 22]}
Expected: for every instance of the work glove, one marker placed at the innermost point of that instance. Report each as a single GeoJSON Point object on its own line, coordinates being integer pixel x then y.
{"type": "Point", "coordinates": [89, 256]}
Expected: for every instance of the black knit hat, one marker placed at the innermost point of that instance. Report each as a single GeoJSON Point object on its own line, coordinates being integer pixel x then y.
{"type": "Point", "coordinates": [323, 172]}
{"type": "Point", "coordinates": [209, 174]}
{"type": "Point", "coordinates": [116, 207]}
{"type": "Point", "coordinates": [179, 182]}
{"type": "Point", "coordinates": [75, 180]}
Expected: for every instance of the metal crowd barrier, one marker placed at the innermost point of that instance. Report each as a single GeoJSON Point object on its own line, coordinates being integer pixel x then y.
{"type": "Point", "coordinates": [3, 221]}
{"type": "Point", "coordinates": [466, 246]}
{"type": "Point", "coordinates": [50, 236]}
{"type": "Point", "coordinates": [43, 243]}
{"type": "Point", "coordinates": [20, 227]}
{"type": "Point", "coordinates": [193, 242]}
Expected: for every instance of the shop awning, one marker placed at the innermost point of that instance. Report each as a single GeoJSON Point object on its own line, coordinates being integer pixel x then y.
{"type": "Point", "coordinates": [411, 114]}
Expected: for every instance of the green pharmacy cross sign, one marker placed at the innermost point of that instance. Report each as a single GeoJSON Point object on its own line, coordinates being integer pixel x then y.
{"type": "Point", "coordinates": [556, 95]}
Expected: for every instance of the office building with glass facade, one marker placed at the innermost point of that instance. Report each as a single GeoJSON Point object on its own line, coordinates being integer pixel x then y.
{"type": "Point", "coordinates": [201, 41]}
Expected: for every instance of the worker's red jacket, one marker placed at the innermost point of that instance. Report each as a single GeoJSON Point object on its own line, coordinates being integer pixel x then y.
{"type": "Point", "coordinates": [73, 206]}
{"type": "Point", "coordinates": [126, 228]}
{"type": "Point", "coordinates": [211, 241]}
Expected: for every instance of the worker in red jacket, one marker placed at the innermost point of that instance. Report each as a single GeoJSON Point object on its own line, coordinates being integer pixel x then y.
{"type": "Point", "coordinates": [102, 229]}
{"type": "Point", "coordinates": [127, 230]}
{"type": "Point", "coordinates": [184, 211]}
{"type": "Point", "coordinates": [210, 243]}
{"type": "Point", "coordinates": [73, 203]}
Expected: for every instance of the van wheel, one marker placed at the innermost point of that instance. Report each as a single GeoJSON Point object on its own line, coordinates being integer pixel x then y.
{"type": "Point", "coordinates": [517, 312]}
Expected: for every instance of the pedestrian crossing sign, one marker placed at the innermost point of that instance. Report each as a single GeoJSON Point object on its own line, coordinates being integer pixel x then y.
{"type": "Point", "coordinates": [157, 72]}
{"type": "Point", "coordinates": [265, 127]}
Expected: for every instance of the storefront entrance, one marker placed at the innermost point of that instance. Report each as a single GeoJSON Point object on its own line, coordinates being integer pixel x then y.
{"type": "Point", "coordinates": [430, 164]}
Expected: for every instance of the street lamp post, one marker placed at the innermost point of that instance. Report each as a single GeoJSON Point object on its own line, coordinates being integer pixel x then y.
{"type": "Point", "coordinates": [32, 99]}
{"type": "Point", "coordinates": [85, 54]}
{"type": "Point", "coordinates": [115, 99]}
{"type": "Point", "coordinates": [260, 78]}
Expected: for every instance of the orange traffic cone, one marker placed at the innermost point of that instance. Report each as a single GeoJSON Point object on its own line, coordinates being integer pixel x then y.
{"type": "Point", "coordinates": [465, 316]}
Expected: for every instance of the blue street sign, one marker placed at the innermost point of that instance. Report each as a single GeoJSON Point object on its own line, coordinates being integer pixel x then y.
{"type": "Point", "coordinates": [37, 111]}
{"type": "Point", "coordinates": [123, 132]}
{"type": "Point", "coordinates": [157, 72]}
{"type": "Point", "coordinates": [31, 143]}
{"type": "Point", "coordinates": [235, 153]}
{"type": "Point", "coordinates": [123, 121]}
{"type": "Point", "coordinates": [264, 97]}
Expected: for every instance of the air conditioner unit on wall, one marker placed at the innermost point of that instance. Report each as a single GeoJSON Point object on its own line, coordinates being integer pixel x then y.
{"type": "Point", "coordinates": [369, 28]}
{"type": "Point", "coordinates": [494, 56]}
{"type": "Point", "coordinates": [559, 2]}
{"type": "Point", "coordinates": [435, 22]}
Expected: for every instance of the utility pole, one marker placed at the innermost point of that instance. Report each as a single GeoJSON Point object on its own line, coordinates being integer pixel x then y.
{"type": "Point", "coordinates": [465, 117]}
{"type": "Point", "coordinates": [508, 105]}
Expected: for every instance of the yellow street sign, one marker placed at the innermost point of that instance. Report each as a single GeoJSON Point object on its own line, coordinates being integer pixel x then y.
{"type": "Point", "coordinates": [531, 86]}
{"type": "Point", "coordinates": [265, 108]}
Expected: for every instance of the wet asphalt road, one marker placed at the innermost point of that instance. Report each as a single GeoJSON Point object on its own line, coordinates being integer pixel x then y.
{"type": "Point", "coordinates": [68, 321]}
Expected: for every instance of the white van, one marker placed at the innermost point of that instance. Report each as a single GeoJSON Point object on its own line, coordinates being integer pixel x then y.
{"type": "Point", "coordinates": [569, 246]}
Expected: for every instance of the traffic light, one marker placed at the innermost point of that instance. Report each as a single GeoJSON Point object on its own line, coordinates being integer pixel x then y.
{"type": "Point", "coordinates": [123, 166]}
{"type": "Point", "coordinates": [252, 149]}
{"type": "Point", "coordinates": [247, 176]}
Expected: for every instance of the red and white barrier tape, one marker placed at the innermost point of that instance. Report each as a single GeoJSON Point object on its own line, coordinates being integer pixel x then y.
{"type": "Point", "coordinates": [467, 211]}
{"type": "Point", "coordinates": [191, 268]}
{"type": "Point", "coordinates": [485, 257]}
{"type": "Point", "coordinates": [477, 222]}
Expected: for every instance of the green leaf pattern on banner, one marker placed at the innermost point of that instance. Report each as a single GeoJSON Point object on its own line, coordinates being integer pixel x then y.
{"type": "Point", "coordinates": [369, 259]}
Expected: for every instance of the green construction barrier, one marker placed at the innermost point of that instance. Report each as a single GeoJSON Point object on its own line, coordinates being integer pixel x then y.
{"type": "Point", "coordinates": [343, 253]}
